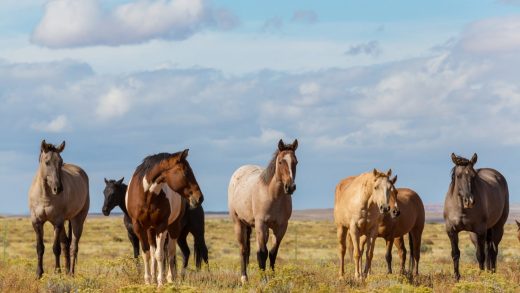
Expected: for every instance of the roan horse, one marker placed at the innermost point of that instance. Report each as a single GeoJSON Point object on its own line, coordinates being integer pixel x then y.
{"type": "Point", "coordinates": [155, 207]}
{"type": "Point", "coordinates": [261, 198]}
{"type": "Point", "coordinates": [406, 217]}
{"type": "Point", "coordinates": [359, 206]}
{"type": "Point", "coordinates": [477, 201]}
{"type": "Point", "coordinates": [193, 222]}
{"type": "Point", "coordinates": [59, 192]}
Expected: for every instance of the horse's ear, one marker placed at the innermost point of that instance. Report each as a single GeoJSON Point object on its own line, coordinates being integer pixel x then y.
{"type": "Point", "coordinates": [281, 145]}
{"type": "Point", "coordinates": [44, 147]}
{"type": "Point", "coordinates": [473, 159]}
{"type": "Point", "coordinates": [120, 181]}
{"type": "Point", "coordinates": [393, 180]}
{"type": "Point", "coordinates": [454, 158]}
{"type": "Point", "coordinates": [375, 172]}
{"type": "Point", "coordinates": [184, 154]}
{"type": "Point", "coordinates": [389, 173]}
{"type": "Point", "coordinates": [295, 145]}
{"type": "Point", "coordinates": [106, 181]}
{"type": "Point", "coordinates": [61, 147]}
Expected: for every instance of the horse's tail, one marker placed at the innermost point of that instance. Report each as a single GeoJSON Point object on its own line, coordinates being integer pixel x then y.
{"type": "Point", "coordinates": [201, 251]}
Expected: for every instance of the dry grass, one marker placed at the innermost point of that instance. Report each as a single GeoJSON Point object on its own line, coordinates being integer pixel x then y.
{"type": "Point", "coordinates": [307, 262]}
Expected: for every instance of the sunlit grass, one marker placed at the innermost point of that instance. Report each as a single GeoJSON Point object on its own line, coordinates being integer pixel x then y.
{"type": "Point", "coordinates": [307, 262]}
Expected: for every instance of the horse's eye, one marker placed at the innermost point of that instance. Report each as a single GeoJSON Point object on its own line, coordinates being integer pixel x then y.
{"type": "Point", "coordinates": [280, 162]}
{"type": "Point", "coordinates": [47, 163]}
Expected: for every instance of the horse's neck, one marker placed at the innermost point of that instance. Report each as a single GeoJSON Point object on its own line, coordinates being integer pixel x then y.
{"type": "Point", "coordinates": [275, 187]}
{"type": "Point", "coordinates": [156, 170]}
{"type": "Point", "coordinates": [366, 195]}
{"type": "Point", "coordinates": [40, 182]}
{"type": "Point", "coordinates": [122, 195]}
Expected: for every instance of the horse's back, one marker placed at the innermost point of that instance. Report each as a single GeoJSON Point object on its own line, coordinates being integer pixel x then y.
{"type": "Point", "coordinates": [242, 185]}
{"type": "Point", "coordinates": [495, 195]}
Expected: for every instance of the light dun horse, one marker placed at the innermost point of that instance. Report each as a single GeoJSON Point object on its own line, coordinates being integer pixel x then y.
{"type": "Point", "coordinates": [409, 219]}
{"type": "Point", "coordinates": [477, 201]}
{"type": "Point", "coordinates": [154, 204]}
{"type": "Point", "coordinates": [261, 198]}
{"type": "Point", "coordinates": [359, 206]}
{"type": "Point", "coordinates": [59, 192]}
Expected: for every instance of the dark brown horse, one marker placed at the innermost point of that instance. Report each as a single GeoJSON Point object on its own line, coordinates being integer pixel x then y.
{"type": "Point", "coordinates": [477, 201]}
{"type": "Point", "coordinates": [193, 222]}
{"type": "Point", "coordinates": [59, 192]}
{"type": "Point", "coordinates": [154, 204]}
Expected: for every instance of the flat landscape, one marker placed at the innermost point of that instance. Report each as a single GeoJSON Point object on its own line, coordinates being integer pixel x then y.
{"type": "Point", "coordinates": [307, 261]}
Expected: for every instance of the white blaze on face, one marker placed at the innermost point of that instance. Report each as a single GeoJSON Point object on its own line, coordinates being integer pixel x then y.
{"type": "Point", "coordinates": [288, 159]}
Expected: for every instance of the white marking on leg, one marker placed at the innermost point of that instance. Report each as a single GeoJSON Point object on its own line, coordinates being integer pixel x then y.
{"type": "Point", "coordinates": [146, 261]}
{"type": "Point", "coordinates": [153, 263]}
{"type": "Point", "coordinates": [159, 257]}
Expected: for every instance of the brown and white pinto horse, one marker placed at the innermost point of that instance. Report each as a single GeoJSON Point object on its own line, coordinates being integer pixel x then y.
{"type": "Point", "coordinates": [261, 198]}
{"type": "Point", "coordinates": [154, 203]}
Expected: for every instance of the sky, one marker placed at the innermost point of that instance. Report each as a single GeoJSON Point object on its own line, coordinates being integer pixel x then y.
{"type": "Point", "coordinates": [360, 84]}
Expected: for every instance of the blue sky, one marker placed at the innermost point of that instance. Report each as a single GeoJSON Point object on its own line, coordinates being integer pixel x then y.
{"type": "Point", "coordinates": [361, 84]}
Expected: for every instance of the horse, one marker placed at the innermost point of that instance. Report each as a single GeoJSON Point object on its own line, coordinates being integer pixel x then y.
{"type": "Point", "coordinates": [59, 192]}
{"type": "Point", "coordinates": [261, 198]}
{"type": "Point", "coordinates": [115, 196]}
{"type": "Point", "coordinates": [193, 223]}
{"type": "Point", "coordinates": [477, 201]}
{"type": "Point", "coordinates": [154, 203]}
{"type": "Point", "coordinates": [359, 205]}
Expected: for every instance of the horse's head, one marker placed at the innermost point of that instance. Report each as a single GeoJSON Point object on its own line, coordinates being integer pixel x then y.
{"type": "Point", "coordinates": [180, 178]}
{"type": "Point", "coordinates": [462, 177]}
{"type": "Point", "coordinates": [394, 209]}
{"type": "Point", "coordinates": [382, 190]}
{"type": "Point", "coordinates": [286, 162]}
{"type": "Point", "coordinates": [113, 188]}
{"type": "Point", "coordinates": [50, 166]}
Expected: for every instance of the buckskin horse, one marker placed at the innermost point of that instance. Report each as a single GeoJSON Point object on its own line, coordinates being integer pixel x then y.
{"type": "Point", "coordinates": [154, 204]}
{"type": "Point", "coordinates": [59, 192]}
{"type": "Point", "coordinates": [261, 198]}
{"type": "Point", "coordinates": [477, 201]}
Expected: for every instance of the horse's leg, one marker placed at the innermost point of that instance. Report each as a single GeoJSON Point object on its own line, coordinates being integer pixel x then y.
{"type": "Point", "coordinates": [40, 247]}
{"type": "Point", "coordinates": [416, 250]}
{"type": "Point", "coordinates": [135, 242]}
{"type": "Point", "coordinates": [479, 240]}
{"type": "Point", "coordinates": [56, 247]}
{"type": "Point", "coordinates": [278, 236]}
{"type": "Point", "coordinates": [342, 239]}
{"type": "Point", "coordinates": [248, 243]}
{"type": "Point", "coordinates": [77, 229]}
{"type": "Point", "coordinates": [153, 247]}
{"type": "Point", "coordinates": [159, 256]}
{"type": "Point", "coordinates": [388, 256]}
{"type": "Point", "coordinates": [496, 236]}
{"type": "Point", "coordinates": [243, 242]}
{"type": "Point", "coordinates": [455, 252]}
{"type": "Point", "coordinates": [371, 241]}
{"type": "Point", "coordinates": [354, 236]}
{"type": "Point", "coordinates": [401, 249]}
{"type": "Point", "coordinates": [145, 248]}
{"type": "Point", "coordinates": [172, 258]}
{"type": "Point", "coordinates": [185, 249]}
{"type": "Point", "coordinates": [350, 248]}
{"type": "Point", "coordinates": [65, 245]}
{"type": "Point", "coordinates": [262, 235]}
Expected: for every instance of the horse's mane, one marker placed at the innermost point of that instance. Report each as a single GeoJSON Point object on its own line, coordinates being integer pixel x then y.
{"type": "Point", "coordinates": [150, 162]}
{"type": "Point", "coordinates": [269, 171]}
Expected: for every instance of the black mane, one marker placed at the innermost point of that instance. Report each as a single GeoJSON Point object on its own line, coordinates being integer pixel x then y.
{"type": "Point", "coordinates": [150, 161]}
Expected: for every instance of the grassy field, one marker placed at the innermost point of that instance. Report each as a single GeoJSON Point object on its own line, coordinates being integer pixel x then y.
{"type": "Point", "coordinates": [307, 262]}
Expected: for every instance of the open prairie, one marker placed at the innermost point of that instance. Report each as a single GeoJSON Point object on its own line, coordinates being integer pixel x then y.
{"type": "Point", "coordinates": [307, 262]}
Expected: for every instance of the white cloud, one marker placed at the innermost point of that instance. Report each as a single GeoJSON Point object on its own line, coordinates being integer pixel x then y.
{"type": "Point", "coordinates": [58, 124]}
{"type": "Point", "coordinates": [115, 103]}
{"type": "Point", "coordinates": [76, 23]}
{"type": "Point", "coordinates": [494, 35]}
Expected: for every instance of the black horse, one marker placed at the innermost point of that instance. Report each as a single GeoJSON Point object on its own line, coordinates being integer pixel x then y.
{"type": "Point", "coordinates": [193, 222]}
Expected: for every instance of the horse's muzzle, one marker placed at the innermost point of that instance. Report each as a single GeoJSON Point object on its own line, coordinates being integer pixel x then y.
{"type": "Point", "coordinates": [384, 209]}
{"type": "Point", "coordinates": [106, 211]}
{"type": "Point", "coordinates": [394, 213]}
{"type": "Point", "coordinates": [289, 188]}
{"type": "Point", "coordinates": [194, 203]}
{"type": "Point", "coordinates": [467, 202]}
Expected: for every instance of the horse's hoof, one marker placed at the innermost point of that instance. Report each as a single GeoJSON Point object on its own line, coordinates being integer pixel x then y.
{"type": "Point", "coordinates": [243, 280]}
